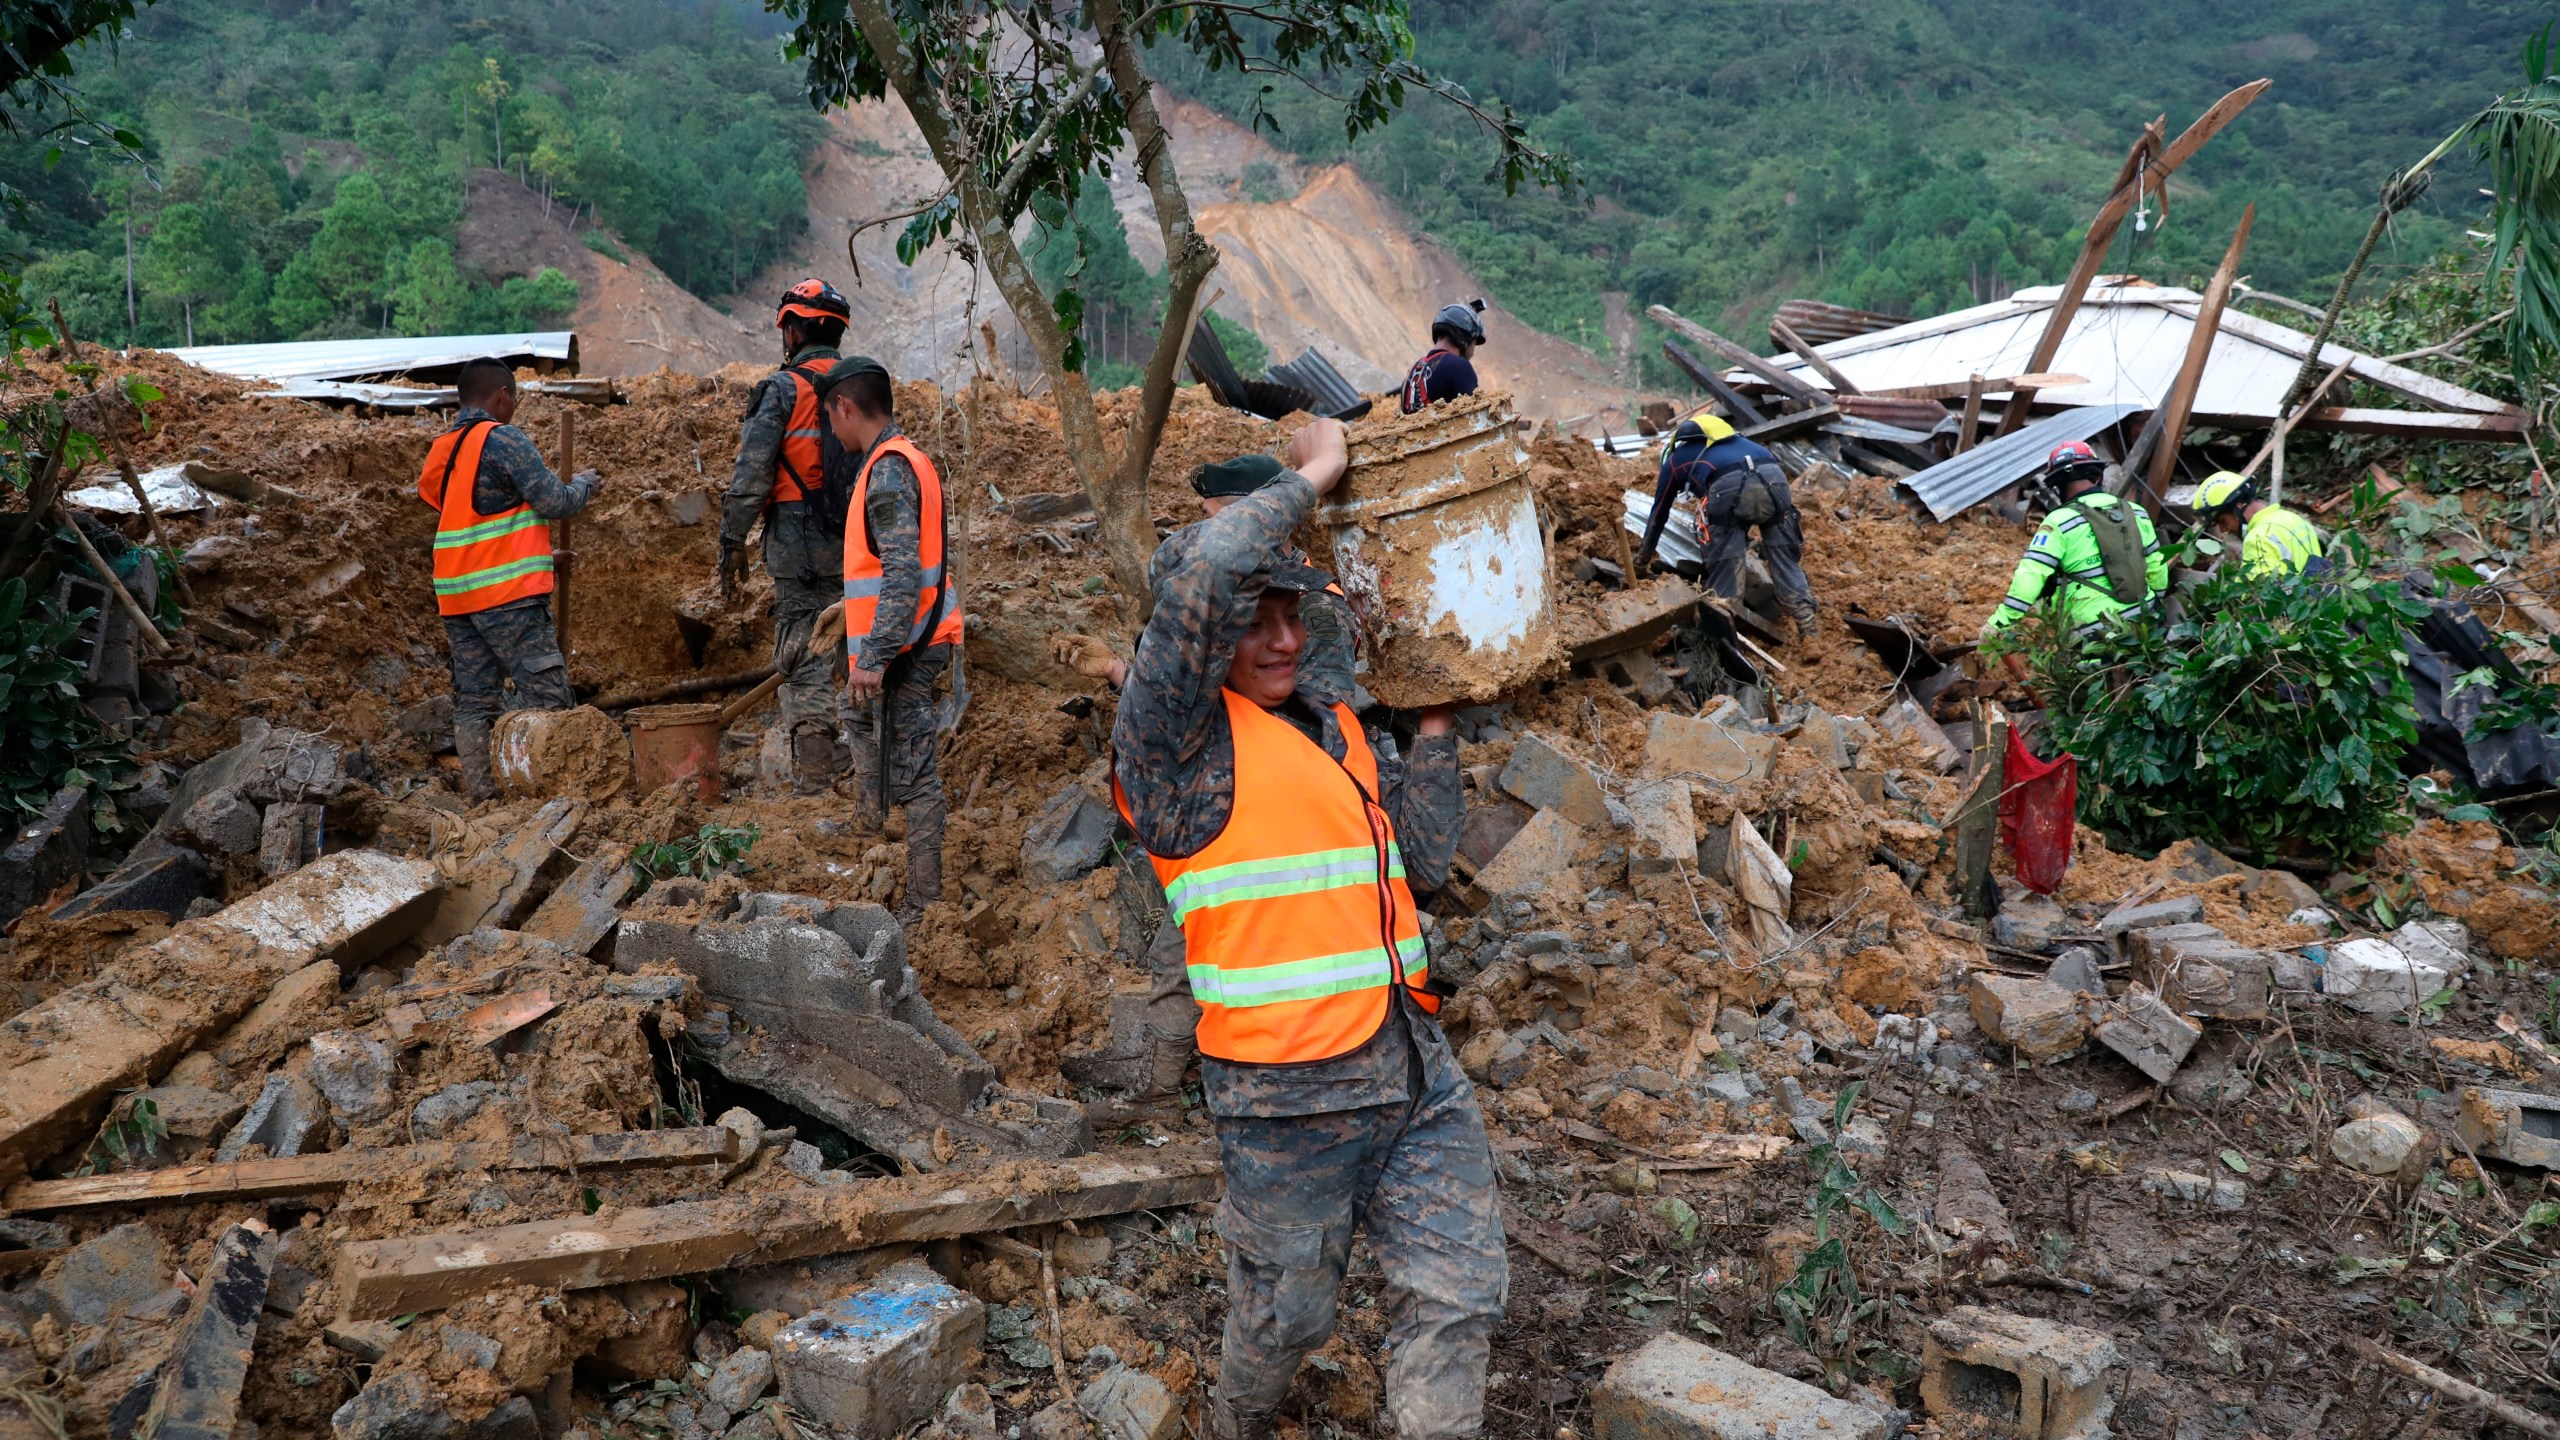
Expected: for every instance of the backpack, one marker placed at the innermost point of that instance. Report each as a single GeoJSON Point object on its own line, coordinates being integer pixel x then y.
{"type": "Point", "coordinates": [2119, 537]}
{"type": "Point", "coordinates": [1756, 503]}
{"type": "Point", "coordinates": [838, 469]}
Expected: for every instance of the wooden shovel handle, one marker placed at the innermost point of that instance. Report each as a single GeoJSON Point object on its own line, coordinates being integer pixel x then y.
{"type": "Point", "coordinates": [746, 704]}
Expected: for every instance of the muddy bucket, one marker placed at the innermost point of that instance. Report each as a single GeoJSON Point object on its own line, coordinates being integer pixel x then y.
{"type": "Point", "coordinates": [549, 753]}
{"type": "Point", "coordinates": [676, 745]}
{"type": "Point", "coordinates": [1436, 541]}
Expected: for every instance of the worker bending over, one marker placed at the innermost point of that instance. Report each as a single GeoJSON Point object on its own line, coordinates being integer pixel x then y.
{"type": "Point", "coordinates": [2099, 550]}
{"type": "Point", "coordinates": [1324, 668]}
{"type": "Point", "coordinates": [1288, 840]}
{"type": "Point", "coordinates": [2273, 540]}
{"type": "Point", "coordinates": [1447, 369]}
{"type": "Point", "coordinates": [780, 476]}
{"type": "Point", "coordinates": [494, 499]}
{"type": "Point", "coordinates": [901, 619]}
{"type": "Point", "coordinates": [1739, 488]}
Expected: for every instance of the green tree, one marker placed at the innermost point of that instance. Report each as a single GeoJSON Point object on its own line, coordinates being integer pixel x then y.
{"type": "Point", "coordinates": [429, 296]}
{"type": "Point", "coordinates": [185, 264]}
{"type": "Point", "coordinates": [334, 284]}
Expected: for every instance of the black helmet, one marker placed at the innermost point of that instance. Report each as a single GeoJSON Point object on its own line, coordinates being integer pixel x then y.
{"type": "Point", "coordinates": [1460, 321]}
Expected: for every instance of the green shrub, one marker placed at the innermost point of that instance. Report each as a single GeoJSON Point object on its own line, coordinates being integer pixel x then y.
{"type": "Point", "coordinates": [2273, 713]}
{"type": "Point", "coordinates": [50, 735]}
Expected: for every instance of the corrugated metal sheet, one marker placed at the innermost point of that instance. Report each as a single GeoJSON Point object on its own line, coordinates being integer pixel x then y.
{"type": "Point", "coordinates": [1951, 487]}
{"type": "Point", "coordinates": [2129, 340]}
{"type": "Point", "coordinates": [1818, 322]}
{"type": "Point", "coordinates": [1679, 542]}
{"type": "Point", "coordinates": [363, 359]}
{"type": "Point", "coordinates": [1312, 373]}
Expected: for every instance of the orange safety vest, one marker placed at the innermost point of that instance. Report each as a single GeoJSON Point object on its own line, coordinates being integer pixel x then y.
{"type": "Point", "coordinates": [482, 561]}
{"type": "Point", "coordinates": [796, 470]}
{"type": "Point", "coordinates": [1296, 919]}
{"type": "Point", "coordinates": [937, 622]}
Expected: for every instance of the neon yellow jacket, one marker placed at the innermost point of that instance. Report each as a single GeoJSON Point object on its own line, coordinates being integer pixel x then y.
{"type": "Point", "coordinates": [2278, 542]}
{"type": "Point", "coordinates": [2065, 552]}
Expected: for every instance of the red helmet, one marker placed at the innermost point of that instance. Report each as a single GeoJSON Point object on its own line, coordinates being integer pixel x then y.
{"type": "Point", "coordinates": [813, 300]}
{"type": "Point", "coordinates": [2071, 454]}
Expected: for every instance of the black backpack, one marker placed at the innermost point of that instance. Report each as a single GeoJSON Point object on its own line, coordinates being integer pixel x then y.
{"type": "Point", "coordinates": [1757, 502]}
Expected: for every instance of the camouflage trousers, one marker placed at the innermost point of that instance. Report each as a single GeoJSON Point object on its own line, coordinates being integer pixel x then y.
{"type": "Point", "coordinates": [1418, 1177]}
{"type": "Point", "coordinates": [1781, 547]}
{"type": "Point", "coordinates": [808, 693]}
{"type": "Point", "coordinates": [491, 647]}
{"type": "Point", "coordinates": [915, 770]}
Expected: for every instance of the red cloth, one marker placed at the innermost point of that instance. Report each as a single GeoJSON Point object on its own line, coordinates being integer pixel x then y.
{"type": "Point", "coordinates": [2036, 814]}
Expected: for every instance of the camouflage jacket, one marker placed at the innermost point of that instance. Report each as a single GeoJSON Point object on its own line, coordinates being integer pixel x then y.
{"type": "Point", "coordinates": [797, 543]}
{"type": "Point", "coordinates": [512, 473]}
{"type": "Point", "coordinates": [1176, 764]}
{"type": "Point", "coordinates": [892, 511]}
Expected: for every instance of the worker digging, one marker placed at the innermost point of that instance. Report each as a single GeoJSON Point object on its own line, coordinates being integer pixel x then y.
{"type": "Point", "coordinates": [1864, 887]}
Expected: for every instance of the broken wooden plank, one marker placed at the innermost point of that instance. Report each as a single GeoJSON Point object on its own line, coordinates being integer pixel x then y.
{"type": "Point", "coordinates": [1977, 822]}
{"type": "Point", "coordinates": [377, 1278]}
{"type": "Point", "coordinates": [309, 1174]}
{"type": "Point", "coordinates": [1971, 426]}
{"type": "Point", "coordinates": [1840, 384]}
{"type": "Point", "coordinates": [502, 1017]}
{"type": "Point", "coordinates": [1708, 380]}
{"type": "Point", "coordinates": [197, 1393]}
{"type": "Point", "coordinates": [1786, 384]}
{"type": "Point", "coordinates": [1988, 384]}
{"type": "Point", "coordinates": [2150, 174]}
{"type": "Point", "coordinates": [2182, 392]}
{"type": "Point", "coordinates": [1794, 422]}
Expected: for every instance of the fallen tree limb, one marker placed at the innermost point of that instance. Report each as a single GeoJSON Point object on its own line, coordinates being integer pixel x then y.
{"type": "Point", "coordinates": [309, 1174]}
{"type": "Point", "coordinates": [2460, 1391]}
{"type": "Point", "coordinates": [376, 1279]}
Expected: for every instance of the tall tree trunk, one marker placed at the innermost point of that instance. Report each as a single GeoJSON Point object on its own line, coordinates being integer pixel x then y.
{"type": "Point", "coordinates": [1114, 480]}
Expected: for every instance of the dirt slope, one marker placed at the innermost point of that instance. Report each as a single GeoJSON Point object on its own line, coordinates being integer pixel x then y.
{"type": "Point", "coordinates": [631, 318]}
{"type": "Point", "coordinates": [1334, 267]}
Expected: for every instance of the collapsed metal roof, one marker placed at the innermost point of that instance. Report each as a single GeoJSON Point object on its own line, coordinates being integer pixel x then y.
{"type": "Point", "coordinates": [426, 357]}
{"type": "Point", "coordinates": [1952, 486]}
{"type": "Point", "coordinates": [2129, 339]}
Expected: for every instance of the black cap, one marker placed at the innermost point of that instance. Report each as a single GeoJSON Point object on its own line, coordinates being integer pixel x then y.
{"type": "Point", "coordinates": [1242, 475]}
{"type": "Point", "coordinates": [845, 369]}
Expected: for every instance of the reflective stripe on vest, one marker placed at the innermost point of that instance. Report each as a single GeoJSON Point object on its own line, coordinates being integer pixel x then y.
{"type": "Point", "coordinates": [862, 572]}
{"type": "Point", "coordinates": [797, 465]}
{"type": "Point", "coordinates": [2277, 541]}
{"type": "Point", "coordinates": [481, 561]}
{"type": "Point", "coordinates": [1296, 919]}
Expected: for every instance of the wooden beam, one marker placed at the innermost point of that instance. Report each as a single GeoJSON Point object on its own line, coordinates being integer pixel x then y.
{"type": "Point", "coordinates": [1977, 823]}
{"type": "Point", "coordinates": [311, 1174]}
{"type": "Point", "coordinates": [1786, 384]}
{"type": "Point", "coordinates": [1794, 422]}
{"type": "Point", "coordinates": [381, 1278]}
{"type": "Point", "coordinates": [1708, 380]}
{"type": "Point", "coordinates": [1840, 384]}
{"type": "Point", "coordinates": [1988, 385]}
{"type": "Point", "coordinates": [2146, 177]}
{"type": "Point", "coordinates": [2182, 395]}
{"type": "Point", "coordinates": [2414, 424]}
{"type": "Point", "coordinates": [1971, 426]}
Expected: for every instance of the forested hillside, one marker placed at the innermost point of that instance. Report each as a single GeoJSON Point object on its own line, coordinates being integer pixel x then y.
{"type": "Point", "coordinates": [1912, 155]}
{"type": "Point", "coordinates": [303, 163]}
{"type": "Point", "coordinates": [302, 170]}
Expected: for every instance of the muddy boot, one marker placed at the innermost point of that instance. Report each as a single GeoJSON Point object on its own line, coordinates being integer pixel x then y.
{"type": "Point", "coordinates": [471, 746]}
{"type": "Point", "coordinates": [925, 819]}
{"type": "Point", "coordinates": [813, 761]}
{"type": "Point", "coordinates": [1226, 1424]}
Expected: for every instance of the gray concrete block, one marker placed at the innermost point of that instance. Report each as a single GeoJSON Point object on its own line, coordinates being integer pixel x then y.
{"type": "Point", "coordinates": [285, 1117]}
{"type": "Point", "coordinates": [1070, 836]}
{"type": "Point", "coordinates": [1541, 852]}
{"type": "Point", "coordinates": [2152, 1037]}
{"type": "Point", "coordinates": [107, 1276]}
{"type": "Point", "coordinates": [1684, 746]}
{"type": "Point", "coordinates": [740, 1380]}
{"type": "Point", "coordinates": [1126, 1404]}
{"type": "Point", "coordinates": [2517, 1126]}
{"type": "Point", "coordinates": [288, 838]}
{"type": "Point", "coordinates": [395, 1407]}
{"type": "Point", "coordinates": [1545, 778]}
{"type": "Point", "coordinates": [1666, 827]}
{"type": "Point", "coordinates": [2037, 1018]}
{"type": "Point", "coordinates": [355, 1072]}
{"type": "Point", "coordinates": [1676, 1389]}
{"type": "Point", "coordinates": [46, 851]}
{"type": "Point", "coordinates": [2180, 910]}
{"type": "Point", "coordinates": [1988, 1371]}
{"type": "Point", "coordinates": [165, 882]}
{"type": "Point", "coordinates": [878, 1360]}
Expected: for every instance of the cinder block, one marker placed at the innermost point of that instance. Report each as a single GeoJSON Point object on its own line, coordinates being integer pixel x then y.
{"type": "Point", "coordinates": [1541, 851]}
{"type": "Point", "coordinates": [2379, 978]}
{"type": "Point", "coordinates": [1126, 1404]}
{"type": "Point", "coordinates": [882, 1358]}
{"type": "Point", "coordinates": [2209, 977]}
{"type": "Point", "coordinates": [1676, 1389]}
{"type": "Point", "coordinates": [1988, 1371]}
{"type": "Point", "coordinates": [2516, 1126]}
{"type": "Point", "coordinates": [1666, 827]}
{"type": "Point", "coordinates": [2036, 1018]}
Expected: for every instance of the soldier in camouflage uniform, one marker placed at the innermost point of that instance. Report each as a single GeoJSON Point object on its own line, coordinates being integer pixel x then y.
{"type": "Point", "coordinates": [1385, 1137]}
{"type": "Point", "coordinates": [895, 671]}
{"type": "Point", "coordinates": [1325, 668]}
{"type": "Point", "coordinates": [517, 640]}
{"type": "Point", "coordinates": [803, 548]}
